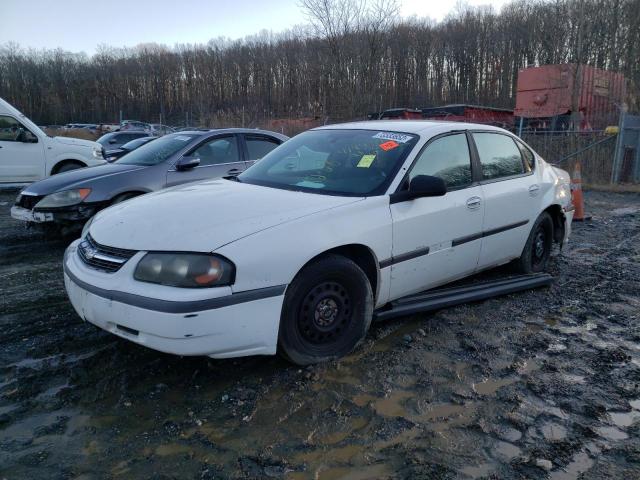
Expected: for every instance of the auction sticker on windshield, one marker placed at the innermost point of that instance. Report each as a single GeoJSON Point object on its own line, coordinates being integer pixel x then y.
{"type": "Point", "coordinates": [390, 145]}
{"type": "Point", "coordinates": [398, 137]}
{"type": "Point", "coordinates": [366, 161]}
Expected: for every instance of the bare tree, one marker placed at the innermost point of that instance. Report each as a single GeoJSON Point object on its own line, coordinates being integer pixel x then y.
{"type": "Point", "coordinates": [353, 57]}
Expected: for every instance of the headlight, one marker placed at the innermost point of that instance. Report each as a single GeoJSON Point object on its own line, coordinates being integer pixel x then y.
{"type": "Point", "coordinates": [85, 229]}
{"type": "Point", "coordinates": [64, 199]}
{"type": "Point", "coordinates": [98, 152]}
{"type": "Point", "coordinates": [563, 192]}
{"type": "Point", "coordinates": [187, 270]}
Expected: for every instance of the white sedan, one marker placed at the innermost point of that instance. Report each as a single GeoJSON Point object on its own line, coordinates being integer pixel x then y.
{"type": "Point", "coordinates": [295, 254]}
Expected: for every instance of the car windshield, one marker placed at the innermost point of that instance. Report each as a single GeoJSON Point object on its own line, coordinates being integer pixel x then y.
{"type": "Point", "coordinates": [157, 151]}
{"type": "Point", "coordinates": [334, 162]}
{"type": "Point", "coordinates": [133, 144]}
{"type": "Point", "coordinates": [104, 140]}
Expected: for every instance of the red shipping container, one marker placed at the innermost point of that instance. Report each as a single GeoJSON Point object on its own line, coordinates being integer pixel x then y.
{"type": "Point", "coordinates": [550, 91]}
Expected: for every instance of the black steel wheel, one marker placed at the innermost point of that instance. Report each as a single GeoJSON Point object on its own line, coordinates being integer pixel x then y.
{"type": "Point", "coordinates": [327, 311]}
{"type": "Point", "coordinates": [67, 167]}
{"type": "Point", "coordinates": [537, 250]}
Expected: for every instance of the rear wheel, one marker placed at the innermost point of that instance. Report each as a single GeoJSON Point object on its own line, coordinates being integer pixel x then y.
{"type": "Point", "coordinates": [537, 250]}
{"type": "Point", "coordinates": [327, 311]}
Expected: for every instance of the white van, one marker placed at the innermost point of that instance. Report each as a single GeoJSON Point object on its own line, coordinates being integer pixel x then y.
{"type": "Point", "coordinates": [27, 154]}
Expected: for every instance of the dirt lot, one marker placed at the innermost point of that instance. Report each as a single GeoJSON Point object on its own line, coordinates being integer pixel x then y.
{"type": "Point", "coordinates": [543, 384]}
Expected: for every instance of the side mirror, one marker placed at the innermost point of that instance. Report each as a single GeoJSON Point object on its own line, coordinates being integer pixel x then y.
{"type": "Point", "coordinates": [421, 186]}
{"type": "Point", "coordinates": [187, 163]}
{"type": "Point", "coordinates": [25, 136]}
{"type": "Point", "coordinates": [427, 186]}
{"type": "Point", "coordinates": [19, 134]}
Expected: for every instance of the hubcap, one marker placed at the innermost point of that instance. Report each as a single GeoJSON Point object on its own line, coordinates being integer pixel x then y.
{"type": "Point", "coordinates": [325, 313]}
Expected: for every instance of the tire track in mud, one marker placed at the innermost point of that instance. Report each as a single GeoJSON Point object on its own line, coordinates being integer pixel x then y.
{"type": "Point", "coordinates": [543, 384]}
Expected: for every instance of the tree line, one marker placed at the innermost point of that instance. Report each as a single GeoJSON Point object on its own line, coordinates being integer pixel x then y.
{"type": "Point", "coordinates": [353, 57]}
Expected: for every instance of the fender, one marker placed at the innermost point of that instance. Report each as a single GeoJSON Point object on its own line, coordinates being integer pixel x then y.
{"type": "Point", "coordinates": [318, 233]}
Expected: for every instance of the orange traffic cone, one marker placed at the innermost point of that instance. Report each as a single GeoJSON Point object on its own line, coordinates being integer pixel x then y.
{"type": "Point", "coordinates": [576, 193]}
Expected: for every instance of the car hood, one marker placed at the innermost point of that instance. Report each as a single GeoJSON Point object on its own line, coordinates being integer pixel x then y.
{"type": "Point", "coordinates": [78, 142]}
{"type": "Point", "coordinates": [79, 178]}
{"type": "Point", "coordinates": [203, 216]}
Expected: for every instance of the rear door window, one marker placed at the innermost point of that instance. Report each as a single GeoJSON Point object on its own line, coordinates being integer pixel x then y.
{"type": "Point", "coordinates": [528, 157]}
{"type": "Point", "coordinates": [258, 146]}
{"type": "Point", "coordinates": [499, 155]}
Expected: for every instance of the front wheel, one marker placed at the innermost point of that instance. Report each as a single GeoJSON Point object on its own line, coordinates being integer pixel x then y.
{"type": "Point", "coordinates": [537, 250]}
{"type": "Point", "coordinates": [67, 167]}
{"type": "Point", "coordinates": [327, 311]}
{"type": "Point", "coordinates": [123, 196]}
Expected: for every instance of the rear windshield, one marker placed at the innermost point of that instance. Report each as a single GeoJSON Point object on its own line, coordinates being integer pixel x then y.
{"type": "Point", "coordinates": [334, 162]}
{"type": "Point", "coordinates": [157, 151]}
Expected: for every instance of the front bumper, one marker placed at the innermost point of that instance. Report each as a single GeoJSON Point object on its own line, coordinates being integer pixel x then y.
{"type": "Point", "coordinates": [75, 213]}
{"type": "Point", "coordinates": [26, 215]}
{"type": "Point", "coordinates": [231, 325]}
{"type": "Point", "coordinates": [568, 218]}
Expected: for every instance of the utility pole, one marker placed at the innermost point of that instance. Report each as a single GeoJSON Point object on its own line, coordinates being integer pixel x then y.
{"type": "Point", "coordinates": [577, 75]}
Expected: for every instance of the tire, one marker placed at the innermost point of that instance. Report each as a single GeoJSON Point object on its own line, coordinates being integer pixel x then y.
{"type": "Point", "coordinates": [327, 311]}
{"type": "Point", "coordinates": [122, 197]}
{"type": "Point", "coordinates": [537, 250]}
{"type": "Point", "coordinates": [67, 167]}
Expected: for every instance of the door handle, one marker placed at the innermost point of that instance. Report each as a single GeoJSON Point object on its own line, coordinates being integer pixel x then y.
{"type": "Point", "coordinates": [474, 203]}
{"type": "Point", "coordinates": [533, 190]}
{"type": "Point", "coordinates": [234, 171]}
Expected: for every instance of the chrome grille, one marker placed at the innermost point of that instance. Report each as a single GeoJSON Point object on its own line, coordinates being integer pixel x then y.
{"type": "Point", "coordinates": [102, 257]}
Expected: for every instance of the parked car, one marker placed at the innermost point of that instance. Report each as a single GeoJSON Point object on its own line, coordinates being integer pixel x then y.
{"type": "Point", "coordinates": [159, 129]}
{"type": "Point", "coordinates": [116, 153]}
{"type": "Point", "coordinates": [115, 140]}
{"type": "Point", "coordinates": [296, 253]}
{"type": "Point", "coordinates": [170, 160]}
{"type": "Point", "coordinates": [92, 127]}
{"type": "Point", "coordinates": [134, 125]}
{"type": "Point", "coordinates": [108, 127]}
{"type": "Point", "coordinates": [28, 154]}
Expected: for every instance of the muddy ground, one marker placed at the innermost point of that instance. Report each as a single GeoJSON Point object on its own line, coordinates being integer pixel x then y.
{"type": "Point", "coordinates": [543, 384]}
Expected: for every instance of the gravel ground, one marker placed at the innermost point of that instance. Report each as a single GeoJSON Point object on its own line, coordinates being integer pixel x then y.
{"type": "Point", "coordinates": [541, 384]}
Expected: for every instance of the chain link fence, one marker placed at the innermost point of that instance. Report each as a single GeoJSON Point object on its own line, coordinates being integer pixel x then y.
{"type": "Point", "coordinates": [594, 150]}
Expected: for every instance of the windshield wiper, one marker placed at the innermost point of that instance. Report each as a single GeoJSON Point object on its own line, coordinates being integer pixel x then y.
{"type": "Point", "coordinates": [233, 178]}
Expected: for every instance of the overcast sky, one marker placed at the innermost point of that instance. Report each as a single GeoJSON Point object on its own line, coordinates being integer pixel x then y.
{"type": "Point", "coordinates": [82, 25]}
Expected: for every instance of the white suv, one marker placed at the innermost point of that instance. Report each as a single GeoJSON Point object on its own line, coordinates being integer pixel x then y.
{"type": "Point", "coordinates": [27, 154]}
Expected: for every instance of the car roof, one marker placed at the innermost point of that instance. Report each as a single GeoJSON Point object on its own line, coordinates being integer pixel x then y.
{"type": "Point", "coordinates": [431, 127]}
{"type": "Point", "coordinates": [218, 131]}
{"type": "Point", "coordinates": [148, 138]}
